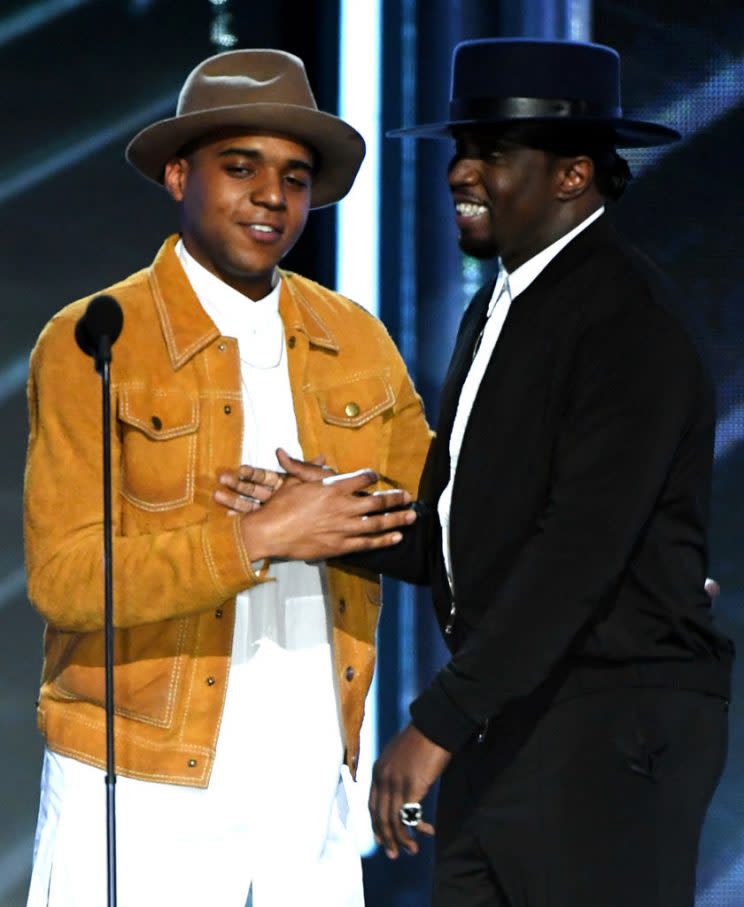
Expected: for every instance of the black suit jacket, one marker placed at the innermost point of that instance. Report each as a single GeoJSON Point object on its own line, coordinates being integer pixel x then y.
{"type": "Point", "coordinates": [580, 504]}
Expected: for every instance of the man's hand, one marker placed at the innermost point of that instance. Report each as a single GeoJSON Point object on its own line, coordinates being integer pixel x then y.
{"type": "Point", "coordinates": [405, 771]}
{"type": "Point", "coordinates": [310, 521]}
{"type": "Point", "coordinates": [245, 489]}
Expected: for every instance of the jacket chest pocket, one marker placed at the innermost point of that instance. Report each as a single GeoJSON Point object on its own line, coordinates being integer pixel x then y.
{"type": "Point", "coordinates": [354, 414]}
{"type": "Point", "coordinates": [159, 445]}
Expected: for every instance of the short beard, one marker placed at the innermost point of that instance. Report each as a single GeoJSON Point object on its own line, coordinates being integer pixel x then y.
{"type": "Point", "coordinates": [480, 249]}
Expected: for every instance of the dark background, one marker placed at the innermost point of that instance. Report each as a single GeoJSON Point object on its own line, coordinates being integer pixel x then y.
{"type": "Point", "coordinates": [79, 77]}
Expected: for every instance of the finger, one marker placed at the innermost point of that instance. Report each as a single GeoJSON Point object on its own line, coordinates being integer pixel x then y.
{"type": "Point", "coordinates": [252, 490]}
{"type": "Point", "coordinates": [374, 524]}
{"type": "Point", "coordinates": [381, 501]}
{"type": "Point", "coordinates": [235, 502]}
{"type": "Point", "coordinates": [266, 477]}
{"type": "Point", "coordinates": [426, 828]}
{"type": "Point", "coordinates": [351, 482]}
{"type": "Point", "coordinates": [318, 461]}
{"type": "Point", "coordinates": [248, 475]}
{"type": "Point", "coordinates": [355, 543]}
{"type": "Point", "coordinates": [403, 836]}
{"type": "Point", "coordinates": [305, 471]}
{"type": "Point", "coordinates": [386, 831]}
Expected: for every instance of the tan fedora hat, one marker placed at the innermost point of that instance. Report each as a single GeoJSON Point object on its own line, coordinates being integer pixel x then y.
{"type": "Point", "coordinates": [254, 89]}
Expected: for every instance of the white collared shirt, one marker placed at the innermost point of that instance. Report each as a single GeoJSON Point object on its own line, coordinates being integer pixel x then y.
{"type": "Point", "coordinates": [507, 288]}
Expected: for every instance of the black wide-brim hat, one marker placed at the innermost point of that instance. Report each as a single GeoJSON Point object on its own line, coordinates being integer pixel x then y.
{"type": "Point", "coordinates": [506, 80]}
{"type": "Point", "coordinates": [261, 90]}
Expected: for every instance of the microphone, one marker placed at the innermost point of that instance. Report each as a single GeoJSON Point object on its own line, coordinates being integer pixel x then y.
{"type": "Point", "coordinates": [96, 332]}
{"type": "Point", "coordinates": [99, 328]}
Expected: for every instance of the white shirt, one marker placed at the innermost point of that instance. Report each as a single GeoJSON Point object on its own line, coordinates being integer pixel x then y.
{"type": "Point", "coordinates": [507, 288]}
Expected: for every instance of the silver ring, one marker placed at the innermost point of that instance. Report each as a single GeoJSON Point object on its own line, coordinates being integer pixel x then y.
{"type": "Point", "coordinates": [411, 814]}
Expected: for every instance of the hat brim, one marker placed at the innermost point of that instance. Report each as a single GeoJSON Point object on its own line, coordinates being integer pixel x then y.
{"type": "Point", "coordinates": [339, 147]}
{"type": "Point", "coordinates": [626, 133]}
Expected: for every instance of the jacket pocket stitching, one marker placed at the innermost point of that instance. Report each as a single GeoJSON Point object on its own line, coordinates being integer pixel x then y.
{"type": "Point", "coordinates": [176, 431]}
{"type": "Point", "coordinates": [365, 416]}
{"type": "Point", "coordinates": [175, 676]}
{"type": "Point", "coordinates": [186, 498]}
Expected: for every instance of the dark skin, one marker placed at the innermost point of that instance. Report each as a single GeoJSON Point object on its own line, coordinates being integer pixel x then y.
{"type": "Point", "coordinates": [515, 201]}
{"type": "Point", "coordinates": [244, 200]}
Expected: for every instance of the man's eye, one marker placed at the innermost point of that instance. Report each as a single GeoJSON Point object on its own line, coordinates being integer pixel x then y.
{"type": "Point", "coordinates": [299, 181]}
{"type": "Point", "coordinates": [238, 170]}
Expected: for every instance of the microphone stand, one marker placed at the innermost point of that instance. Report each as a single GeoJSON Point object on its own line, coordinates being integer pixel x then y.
{"type": "Point", "coordinates": [103, 367]}
{"type": "Point", "coordinates": [95, 334]}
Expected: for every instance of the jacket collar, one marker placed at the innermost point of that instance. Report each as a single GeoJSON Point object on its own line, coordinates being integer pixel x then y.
{"type": "Point", "coordinates": [298, 313]}
{"type": "Point", "coordinates": [187, 329]}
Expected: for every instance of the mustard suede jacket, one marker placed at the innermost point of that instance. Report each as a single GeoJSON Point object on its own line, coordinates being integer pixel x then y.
{"type": "Point", "coordinates": [179, 560]}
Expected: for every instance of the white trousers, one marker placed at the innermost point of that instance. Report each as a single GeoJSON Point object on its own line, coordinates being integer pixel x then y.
{"type": "Point", "coordinates": [271, 830]}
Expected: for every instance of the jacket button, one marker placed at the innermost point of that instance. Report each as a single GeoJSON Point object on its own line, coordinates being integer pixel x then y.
{"type": "Point", "coordinates": [192, 763]}
{"type": "Point", "coordinates": [222, 347]}
{"type": "Point", "coordinates": [352, 409]}
{"type": "Point", "coordinates": [211, 681]}
{"type": "Point", "coordinates": [292, 342]}
{"type": "Point", "coordinates": [156, 422]}
{"type": "Point", "coordinates": [349, 673]}
{"type": "Point", "coordinates": [228, 409]}
{"type": "Point", "coordinates": [218, 612]}
{"type": "Point", "coordinates": [355, 760]}
{"type": "Point", "coordinates": [341, 605]}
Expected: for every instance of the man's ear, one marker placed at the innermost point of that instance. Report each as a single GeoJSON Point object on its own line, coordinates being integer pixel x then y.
{"type": "Point", "coordinates": [175, 176]}
{"type": "Point", "coordinates": [576, 175]}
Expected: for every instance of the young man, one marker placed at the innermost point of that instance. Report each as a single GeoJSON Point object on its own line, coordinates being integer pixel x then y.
{"type": "Point", "coordinates": [242, 661]}
{"type": "Point", "coordinates": [580, 726]}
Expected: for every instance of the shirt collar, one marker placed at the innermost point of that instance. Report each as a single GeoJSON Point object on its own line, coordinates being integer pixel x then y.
{"type": "Point", "coordinates": [227, 307]}
{"type": "Point", "coordinates": [519, 279]}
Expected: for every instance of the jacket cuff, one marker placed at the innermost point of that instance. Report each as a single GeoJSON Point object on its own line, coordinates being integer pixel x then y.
{"type": "Point", "coordinates": [228, 562]}
{"type": "Point", "coordinates": [438, 718]}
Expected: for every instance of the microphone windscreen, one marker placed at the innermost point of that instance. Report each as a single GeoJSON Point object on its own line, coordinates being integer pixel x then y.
{"type": "Point", "coordinates": [102, 318]}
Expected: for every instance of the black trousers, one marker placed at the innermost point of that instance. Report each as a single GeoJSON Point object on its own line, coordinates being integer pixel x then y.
{"type": "Point", "coordinates": [596, 801]}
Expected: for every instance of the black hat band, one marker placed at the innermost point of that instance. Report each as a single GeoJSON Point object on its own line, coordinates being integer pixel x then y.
{"type": "Point", "coordinates": [494, 109]}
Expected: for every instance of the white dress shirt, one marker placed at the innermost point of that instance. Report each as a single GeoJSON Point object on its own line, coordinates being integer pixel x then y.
{"type": "Point", "coordinates": [508, 287]}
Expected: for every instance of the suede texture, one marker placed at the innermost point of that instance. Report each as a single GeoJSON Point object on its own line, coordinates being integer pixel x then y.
{"type": "Point", "coordinates": [179, 559]}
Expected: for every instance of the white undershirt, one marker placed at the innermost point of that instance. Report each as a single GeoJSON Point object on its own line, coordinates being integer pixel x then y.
{"type": "Point", "coordinates": [507, 288]}
{"type": "Point", "coordinates": [285, 622]}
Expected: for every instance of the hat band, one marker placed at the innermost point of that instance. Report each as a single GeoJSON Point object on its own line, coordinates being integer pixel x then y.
{"type": "Point", "coordinates": [493, 109]}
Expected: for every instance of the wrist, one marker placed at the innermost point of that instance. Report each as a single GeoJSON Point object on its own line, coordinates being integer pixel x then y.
{"type": "Point", "coordinates": [256, 540]}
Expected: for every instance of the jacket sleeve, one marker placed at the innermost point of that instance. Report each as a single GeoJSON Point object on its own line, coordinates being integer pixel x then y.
{"type": "Point", "coordinates": [157, 575]}
{"type": "Point", "coordinates": [637, 388]}
{"type": "Point", "coordinates": [407, 451]}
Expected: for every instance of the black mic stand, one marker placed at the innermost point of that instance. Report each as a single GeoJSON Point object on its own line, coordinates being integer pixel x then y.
{"type": "Point", "coordinates": [95, 333]}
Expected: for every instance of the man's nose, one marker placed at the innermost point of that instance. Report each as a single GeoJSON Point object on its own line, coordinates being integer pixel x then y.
{"type": "Point", "coordinates": [463, 171]}
{"type": "Point", "coordinates": [268, 190]}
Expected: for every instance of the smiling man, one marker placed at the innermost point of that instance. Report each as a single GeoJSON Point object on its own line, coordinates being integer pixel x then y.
{"type": "Point", "coordinates": [242, 660]}
{"type": "Point", "coordinates": [580, 725]}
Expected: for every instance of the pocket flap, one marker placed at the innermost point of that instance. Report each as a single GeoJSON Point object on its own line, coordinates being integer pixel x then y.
{"type": "Point", "coordinates": [159, 414]}
{"type": "Point", "coordinates": [356, 402]}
